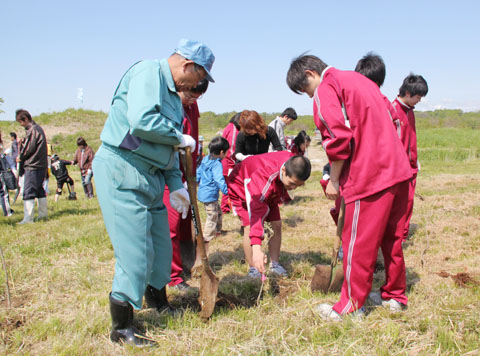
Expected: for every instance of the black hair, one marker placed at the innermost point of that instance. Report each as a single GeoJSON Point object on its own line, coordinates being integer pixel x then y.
{"type": "Point", "coordinates": [299, 167]}
{"type": "Point", "coordinates": [13, 134]}
{"type": "Point", "coordinates": [373, 67]}
{"type": "Point", "coordinates": [201, 87]}
{"type": "Point", "coordinates": [290, 113]}
{"type": "Point", "coordinates": [300, 139]}
{"type": "Point", "coordinates": [414, 85]}
{"type": "Point", "coordinates": [81, 142]}
{"type": "Point", "coordinates": [236, 120]}
{"type": "Point", "coordinates": [218, 144]}
{"type": "Point", "coordinates": [296, 77]}
{"type": "Point", "coordinates": [23, 115]}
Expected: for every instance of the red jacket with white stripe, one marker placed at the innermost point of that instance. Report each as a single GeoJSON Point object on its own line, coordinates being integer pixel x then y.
{"type": "Point", "coordinates": [408, 131]}
{"type": "Point", "coordinates": [256, 181]}
{"type": "Point", "coordinates": [230, 133]}
{"type": "Point", "coordinates": [190, 127]}
{"type": "Point", "coordinates": [356, 126]}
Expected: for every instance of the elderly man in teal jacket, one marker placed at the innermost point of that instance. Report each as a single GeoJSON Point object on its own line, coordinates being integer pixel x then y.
{"type": "Point", "coordinates": [137, 158]}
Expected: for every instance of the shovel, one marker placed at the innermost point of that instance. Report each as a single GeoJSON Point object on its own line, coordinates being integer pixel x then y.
{"type": "Point", "coordinates": [330, 278]}
{"type": "Point", "coordinates": [209, 281]}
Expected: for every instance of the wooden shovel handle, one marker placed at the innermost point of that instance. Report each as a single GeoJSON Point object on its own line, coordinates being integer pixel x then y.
{"type": "Point", "coordinates": [192, 192]}
{"type": "Point", "coordinates": [338, 240]}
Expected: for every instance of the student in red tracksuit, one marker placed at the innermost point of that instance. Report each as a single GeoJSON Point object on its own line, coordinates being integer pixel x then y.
{"type": "Point", "coordinates": [413, 89]}
{"type": "Point", "coordinates": [256, 187]}
{"type": "Point", "coordinates": [373, 67]}
{"type": "Point", "coordinates": [230, 133]}
{"type": "Point", "coordinates": [180, 229]}
{"type": "Point", "coordinates": [370, 168]}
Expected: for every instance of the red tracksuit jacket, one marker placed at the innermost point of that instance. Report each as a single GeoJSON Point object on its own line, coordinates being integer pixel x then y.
{"type": "Point", "coordinates": [260, 175]}
{"type": "Point", "coordinates": [408, 131]}
{"type": "Point", "coordinates": [358, 129]}
{"type": "Point", "coordinates": [230, 133]}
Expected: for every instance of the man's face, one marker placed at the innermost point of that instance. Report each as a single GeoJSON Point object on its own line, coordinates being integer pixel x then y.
{"type": "Point", "coordinates": [290, 183]}
{"type": "Point", "coordinates": [23, 123]}
{"type": "Point", "coordinates": [288, 121]}
{"type": "Point", "coordinates": [187, 77]}
{"type": "Point", "coordinates": [412, 100]}
{"type": "Point", "coordinates": [188, 97]}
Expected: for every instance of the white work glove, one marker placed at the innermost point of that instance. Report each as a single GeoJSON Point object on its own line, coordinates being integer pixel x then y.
{"type": "Point", "coordinates": [188, 141]}
{"type": "Point", "coordinates": [180, 201]}
{"type": "Point", "coordinates": [241, 156]}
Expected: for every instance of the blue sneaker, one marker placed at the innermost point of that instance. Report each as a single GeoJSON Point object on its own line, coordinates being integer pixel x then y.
{"type": "Point", "coordinates": [277, 268]}
{"type": "Point", "coordinates": [254, 273]}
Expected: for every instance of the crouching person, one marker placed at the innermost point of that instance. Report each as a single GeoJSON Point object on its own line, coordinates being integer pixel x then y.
{"type": "Point", "coordinates": [256, 187]}
{"type": "Point", "coordinates": [60, 171]}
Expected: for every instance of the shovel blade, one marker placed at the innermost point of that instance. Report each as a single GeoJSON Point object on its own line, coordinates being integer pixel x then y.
{"type": "Point", "coordinates": [208, 293]}
{"type": "Point", "coordinates": [337, 280]}
{"type": "Point", "coordinates": [321, 278]}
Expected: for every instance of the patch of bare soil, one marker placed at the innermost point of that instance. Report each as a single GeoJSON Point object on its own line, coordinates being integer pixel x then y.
{"type": "Point", "coordinates": [464, 280]}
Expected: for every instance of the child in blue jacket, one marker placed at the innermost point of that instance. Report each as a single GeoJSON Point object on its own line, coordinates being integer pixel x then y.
{"type": "Point", "coordinates": [211, 180]}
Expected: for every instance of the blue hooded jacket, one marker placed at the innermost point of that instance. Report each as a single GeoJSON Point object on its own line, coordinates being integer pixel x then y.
{"type": "Point", "coordinates": [210, 177]}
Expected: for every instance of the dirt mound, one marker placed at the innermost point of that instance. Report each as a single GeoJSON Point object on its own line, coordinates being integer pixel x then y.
{"type": "Point", "coordinates": [464, 280]}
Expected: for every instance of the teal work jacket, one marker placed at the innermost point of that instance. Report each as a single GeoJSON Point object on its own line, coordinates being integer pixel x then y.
{"type": "Point", "coordinates": [146, 117]}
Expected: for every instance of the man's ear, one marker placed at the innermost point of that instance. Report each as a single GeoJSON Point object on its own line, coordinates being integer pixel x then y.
{"type": "Point", "coordinates": [185, 64]}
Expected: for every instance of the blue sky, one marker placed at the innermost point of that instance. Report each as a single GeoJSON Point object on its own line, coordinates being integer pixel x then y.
{"type": "Point", "coordinates": [49, 49]}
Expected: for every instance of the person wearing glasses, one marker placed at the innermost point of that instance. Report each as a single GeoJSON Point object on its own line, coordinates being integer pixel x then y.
{"type": "Point", "coordinates": [137, 158]}
{"type": "Point", "coordinates": [180, 228]}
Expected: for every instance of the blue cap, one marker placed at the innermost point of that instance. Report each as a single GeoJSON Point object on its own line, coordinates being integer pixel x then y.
{"type": "Point", "coordinates": [197, 52]}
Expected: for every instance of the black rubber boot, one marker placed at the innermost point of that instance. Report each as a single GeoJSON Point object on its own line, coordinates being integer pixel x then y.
{"type": "Point", "coordinates": [157, 299]}
{"type": "Point", "coordinates": [122, 325]}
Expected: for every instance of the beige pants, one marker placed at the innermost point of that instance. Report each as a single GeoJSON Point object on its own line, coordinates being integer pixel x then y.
{"type": "Point", "coordinates": [214, 220]}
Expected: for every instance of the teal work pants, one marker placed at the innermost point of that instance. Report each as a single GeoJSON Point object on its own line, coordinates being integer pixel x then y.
{"type": "Point", "coordinates": [130, 193]}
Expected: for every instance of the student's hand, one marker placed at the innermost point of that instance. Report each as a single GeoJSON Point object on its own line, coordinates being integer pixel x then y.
{"type": "Point", "coordinates": [180, 201]}
{"type": "Point", "coordinates": [333, 190]}
{"type": "Point", "coordinates": [259, 259]}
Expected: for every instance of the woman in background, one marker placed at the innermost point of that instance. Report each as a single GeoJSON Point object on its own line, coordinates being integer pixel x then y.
{"type": "Point", "coordinates": [255, 136]}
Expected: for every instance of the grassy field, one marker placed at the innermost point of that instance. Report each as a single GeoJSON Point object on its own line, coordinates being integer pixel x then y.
{"type": "Point", "coordinates": [60, 270]}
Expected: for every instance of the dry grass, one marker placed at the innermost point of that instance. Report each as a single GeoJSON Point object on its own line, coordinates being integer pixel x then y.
{"type": "Point", "coordinates": [61, 270]}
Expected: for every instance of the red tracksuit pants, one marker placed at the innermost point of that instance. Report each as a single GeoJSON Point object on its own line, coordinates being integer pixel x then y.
{"type": "Point", "coordinates": [372, 222]}
{"type": "Point", "coordinates": [180, 229]}
{"type": "Point", "coordinates": [411, 195]}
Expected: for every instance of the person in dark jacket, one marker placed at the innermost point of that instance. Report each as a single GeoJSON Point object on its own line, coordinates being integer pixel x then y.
{"type": "Point", "coordinates": [33, 156]}
{"type": "Point", "coordinates": [84, 158]}
{"type": "Point", "coordinates": [60, 171]}
{"type": "Point", "coordinates": [255, 136]}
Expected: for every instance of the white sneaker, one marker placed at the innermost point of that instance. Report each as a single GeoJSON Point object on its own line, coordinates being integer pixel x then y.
{"type": "Point", "coordinates": [375, 299]}
{"type": "Point", "coordinates": [327, 313]}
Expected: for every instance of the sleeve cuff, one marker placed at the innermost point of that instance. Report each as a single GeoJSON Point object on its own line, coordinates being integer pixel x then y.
{"type": "Point", "coordinates": [255, 241]}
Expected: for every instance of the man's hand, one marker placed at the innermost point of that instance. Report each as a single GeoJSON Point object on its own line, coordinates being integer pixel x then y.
{"type": "Point", "coordinates": [259, 259]}
{"type": "Point", "coordinates": [188, 141]}
{"type": "Point", "coordinates": [333, 190]}
{"type": "Point", "coordinates": [180, 201]}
